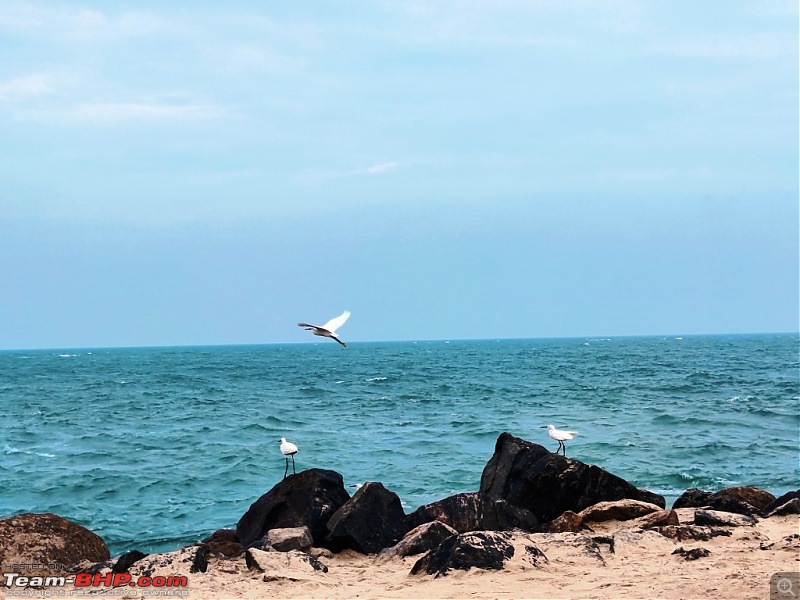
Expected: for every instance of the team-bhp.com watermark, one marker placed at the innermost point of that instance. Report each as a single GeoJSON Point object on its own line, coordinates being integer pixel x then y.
{"type": "Point", "coordinates": [88, 584]}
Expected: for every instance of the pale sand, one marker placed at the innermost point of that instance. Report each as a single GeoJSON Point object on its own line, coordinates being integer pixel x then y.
{"type": "Point", "coordinates": [642, 566]}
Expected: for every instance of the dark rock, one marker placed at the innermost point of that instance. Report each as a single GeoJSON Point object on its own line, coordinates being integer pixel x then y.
{"type": "Point", "coordinates": [479, 549]}
{"type": "Point", "coordinates": [692, 554]}
{"type": "Point", "coordinates": [373, 519]}
{"type": "Point", "coordinates": [721, 519]}
{"type": "Point", "coordinates": [309, 498]}
{"type": "Point", "coordinates": [780, 501]}
{"type": "Point", "coordinates": [474, 512]}
{"type": "Point", "coordinates": [791, 507]}
{"type": "Point", "coordinates": [462, 512]}
{"type": "Point", "coordinates": [535, 556]}
{"type": "Point", "coordinates": [753, 496]}
{"type": "Point", "coordinates": [316, 564]}
{"type": "Point", "coordinates": [692, 498]}
{"type": "Point", "coordinates": [681, 533]}
{"type": "Point", "coordinates": [567, 522]}
{"type": "Point", "coordinates": [421, 539]}
{"type": "Point", "coordinates": [50, 541]}
{"type": "Point", "coordinates": [742, 500]}
{"type": "Point", "coordinates": [261, 544]}
{"type": "Point", "coordinates": [501, 515]}
{"type": "Point", "coordinates": [288, 538]}
{"type": "Point", "coordinates": [200, 560]}
{"type": "Point", "coordinates": [731, 505]}
{"type": "Point", "coordinates": [222, 535]}
{"type": "Point", "coordinates": [225, 549]}
{"type": "Point", "coordinates": [606, 539]}
{"type": "Point", "coordinates": [223, 543]}
{"type": "Point", "coordinates": [126, 561]}
{"type": "Point", "coordinates": [529, 476]}
{"type": "Point", "coordinates": [618, 510]}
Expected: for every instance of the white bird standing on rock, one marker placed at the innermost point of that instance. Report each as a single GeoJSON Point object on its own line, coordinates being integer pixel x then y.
{"type": "Point", "coordinates": [329, 329]}
{"type": "Point", "coordinates": [560, 436]}
{"type": "Point", "coordinates": [288, 449]}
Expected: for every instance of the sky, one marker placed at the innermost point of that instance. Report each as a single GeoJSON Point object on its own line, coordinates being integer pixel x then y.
{"type": "Point", "coordinates": [212, 173]}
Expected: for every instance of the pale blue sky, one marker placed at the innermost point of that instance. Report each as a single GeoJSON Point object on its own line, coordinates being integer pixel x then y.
{"type": "Point", "coordinates": [212, 173]}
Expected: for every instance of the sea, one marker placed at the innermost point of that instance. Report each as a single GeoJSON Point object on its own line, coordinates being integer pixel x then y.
{"type": "Point", "coordinates": [156, 448]}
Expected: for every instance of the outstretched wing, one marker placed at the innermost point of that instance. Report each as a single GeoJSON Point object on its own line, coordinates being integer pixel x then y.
{"type": "Point", "coordinates": [337, 322]}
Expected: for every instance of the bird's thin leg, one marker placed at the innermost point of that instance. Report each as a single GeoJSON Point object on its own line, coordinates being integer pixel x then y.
{"type": "Point", "coordinates": [287, 468]}
{"type": "Point", "coordinates": [293, 471]}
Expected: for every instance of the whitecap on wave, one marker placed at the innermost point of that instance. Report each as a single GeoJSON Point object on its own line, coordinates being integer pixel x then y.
{"type": "Point", "coordinates": [9, 450]}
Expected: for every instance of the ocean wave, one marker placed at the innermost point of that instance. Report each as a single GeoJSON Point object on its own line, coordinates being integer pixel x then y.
{"type": "Point", "coordinates": [681, 420]}
{"type": "Point", "coordinates": [770, 412]}
{"type": "Point", "coordinates": [312, 390]}
{"type": "Point", "coordinates": [11, 450]}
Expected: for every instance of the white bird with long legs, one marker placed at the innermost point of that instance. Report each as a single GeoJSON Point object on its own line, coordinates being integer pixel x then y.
{"type": "Point", "coordinates": [288, 449]}
{"type": "Point", "coordinates": [560, 436]}
{"type": "Point", "coordinates": [329, 329]}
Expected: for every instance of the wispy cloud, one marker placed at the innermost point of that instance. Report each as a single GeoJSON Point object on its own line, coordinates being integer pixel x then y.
{"type": "Point", "coordinates": [25, 87]}
{"type": "Point", "coordinates": [112, 113]}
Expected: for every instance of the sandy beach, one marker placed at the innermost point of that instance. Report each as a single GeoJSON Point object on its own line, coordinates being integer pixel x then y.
{"type": "Point", "coordinates": [641, 564]}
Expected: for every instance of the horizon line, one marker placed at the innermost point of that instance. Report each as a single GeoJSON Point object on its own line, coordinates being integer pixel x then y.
{"type": "Point", "coordinates": [410, 341]}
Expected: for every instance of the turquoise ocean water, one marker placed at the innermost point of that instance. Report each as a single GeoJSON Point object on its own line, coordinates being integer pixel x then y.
{"type": "Point", "coordinates": [154, 448]}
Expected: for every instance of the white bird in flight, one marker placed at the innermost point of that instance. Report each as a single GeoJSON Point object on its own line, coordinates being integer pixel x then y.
{"type": "Point", "coordinates": [288, 449]}
{"type": "Point", "coordinates": [329, 329]}
{"type": "Point", "coordinates": [560, 436]}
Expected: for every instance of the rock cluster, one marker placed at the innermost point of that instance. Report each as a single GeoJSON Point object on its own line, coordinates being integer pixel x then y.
{"type": "Point", "coordinates": [523, 486]}
{"type": "Point", "coordinates": [524, 489]}
{"type": "Point", "coordinates": [742, 500]}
